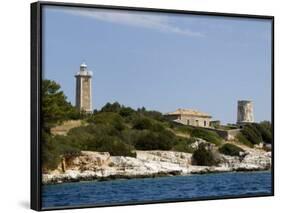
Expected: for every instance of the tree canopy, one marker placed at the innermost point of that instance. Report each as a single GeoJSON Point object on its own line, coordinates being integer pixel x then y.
{"type": "Point", "coordinates": [55, 107]}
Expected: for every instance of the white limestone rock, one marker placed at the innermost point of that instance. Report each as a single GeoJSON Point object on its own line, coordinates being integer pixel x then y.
{"type": "Point", "coordinates": [100, 165]}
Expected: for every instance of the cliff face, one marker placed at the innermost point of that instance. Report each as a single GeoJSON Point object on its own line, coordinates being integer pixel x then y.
{"type": "Point", "coordinates": [102, 166]}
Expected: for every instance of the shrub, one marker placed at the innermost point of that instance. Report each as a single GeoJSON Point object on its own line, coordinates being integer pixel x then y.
{"type": "Point", "coordinates": [110, 118]}
{"type": "Point", "coordinates": [230, 149]}
{"type": "Point", "coordinates": [114, 107]}
{"type": "Point", "coordinates": [126, 111]}
{"type": "Point", "coordinates": [85, 137]}
{"type": "Point", "coordinates": [114, 146]}
{"type": "Point", "coordinates": [54, 148]}
{"type": "Point", "coordinates": [155, 141]}
{"type": "Point", "coordinates": [204, 157]}
{"type": "Point", "coordinates": [90, 118]}
{"type": "Point", "coordinates": [207, 135]}
{"type": "Point", "coordinates": [171, 124]}
{"type": "Point", "coordinates": [184, 129]}
{"type": "Point", "coordinates": [102, 137]}
{"type": "Point", "coordinates": [252, 134]}
{"type": "Point", "coordinates": [157, 127]}
{"type": "Point", "coordinates": [242, 139]}
{"type": "Point", "coordinates": [67, 146]}
{"type": "Point", "coordinates": [267, 125]}
{"type": "Point", "coordinates": [183, 145]}
{"type": "Point", "coordinates": [155, 115]}
{"type": "Point", "coordinates": [55, 106]}
{"type": "Point", "coordinates": [142, 123]}
{"type": "Point", "coordinates": [166, 139]}
{"type": "Point", "coordinates": [264, 131]}
{"type": "Point", "coordinates": [50, 153]}
{"type": "Point", "coordinates": [80, 137]}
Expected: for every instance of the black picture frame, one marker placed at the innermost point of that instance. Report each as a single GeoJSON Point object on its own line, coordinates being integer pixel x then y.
{"type": "Point", "coordinates": [36, 79]}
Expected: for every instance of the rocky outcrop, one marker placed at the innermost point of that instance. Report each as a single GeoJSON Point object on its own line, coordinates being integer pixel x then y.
{"type": "Point", "coordinates": [102, 166]}
{"type": "Point", "coordinates": [252, 159]}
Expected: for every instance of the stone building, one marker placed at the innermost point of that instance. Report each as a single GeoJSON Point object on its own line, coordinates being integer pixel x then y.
{"type": "Point", "coordinates": [215, 124]}
{"type": "Point", "coordinates": [190, 117]}
{"type": "Point", "coordinates": [245, 112]}
{"type": "Point", "coordinates": [84, 89]}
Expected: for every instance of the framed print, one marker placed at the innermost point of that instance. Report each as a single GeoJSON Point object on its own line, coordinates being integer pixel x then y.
{"type": "Point", "coordinates": [140, 105]}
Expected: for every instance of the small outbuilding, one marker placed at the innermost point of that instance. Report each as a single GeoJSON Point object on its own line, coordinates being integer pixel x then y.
{"type": "Point", "coordinates": [190, 117]}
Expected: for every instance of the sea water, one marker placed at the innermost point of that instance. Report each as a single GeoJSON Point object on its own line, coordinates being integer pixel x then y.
{"type": "Point", "coordinates": [157, 189]}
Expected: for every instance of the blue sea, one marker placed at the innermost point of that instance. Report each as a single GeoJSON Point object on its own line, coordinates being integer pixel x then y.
{"type": "Point", "coordinates": [156, 189]}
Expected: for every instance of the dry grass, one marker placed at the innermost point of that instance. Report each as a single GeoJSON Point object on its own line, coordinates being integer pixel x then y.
{"type": "Point", "coordinates": [65, 127]}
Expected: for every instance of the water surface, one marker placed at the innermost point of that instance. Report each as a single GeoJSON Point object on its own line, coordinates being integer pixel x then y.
{"type": "Point", "coordinates": [157, 189]}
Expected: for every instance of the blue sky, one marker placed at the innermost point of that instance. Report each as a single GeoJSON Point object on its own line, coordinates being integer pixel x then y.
{"type": "Point", "coordinates": [161, 61]}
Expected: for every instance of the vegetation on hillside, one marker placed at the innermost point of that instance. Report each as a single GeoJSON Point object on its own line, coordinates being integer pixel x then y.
{"type": "Point", "coordinates": [243, 140]}
{"type": "Point", "coordinates": [207, 135]}
{"type": "Point", "coordinates": [204, 157]}
{"type": "Point", "coordinates": [120, 130]}
{"type": "Point", "coordinates": [256, 133]}
{"type": "Point", "coordinates": [55, 107]}
{"type": "Point", "coordinates": [230, 149]}
{"type": "Point", "coordinates": [183, 145]}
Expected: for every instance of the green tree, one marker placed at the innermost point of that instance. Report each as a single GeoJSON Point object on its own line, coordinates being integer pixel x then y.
{"type": "Point", "coordinates": [114, 146]}
{"type": "Point", "coordinates": [265, 132]}
{"type": "Point", "coordinates": [204, 157]}
{"type": "Point", "coordinates": [55, 107]}
{"type": "Point", "coordinates": [155, 141]}
{"type": "Point", "coordinates": [242, 139]}
{"type": "Point", "coordinates": [50, 152]}
{"type": "Point", "coordinates": [183, 144]}
{"type": "Point", "coordinates": [252, 134]}
{"type": "Point", "coordinates": [267, 125]}
{"type": "Point", "coordinates": [126, 111]}
{"type": "Point", "coordinates": [108, 107]}
{"type": "Point", "coordinates": [230, 149]}
{"type": "Point", "coordinates": [142, 123]}
{"type": "Point", "coordinates": [109, 118]}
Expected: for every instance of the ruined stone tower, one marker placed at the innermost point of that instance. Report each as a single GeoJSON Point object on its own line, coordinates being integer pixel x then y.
{"type": "Point", "coordinates": [84, 89]}
{"type": "Point", "coordinates": [245, 112]}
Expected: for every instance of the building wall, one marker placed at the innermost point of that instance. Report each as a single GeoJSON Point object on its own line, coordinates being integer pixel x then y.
{"type": "Point", "coordinates": [196, 121]}
{"type": "Point", "coordinates": [245, 112]}
{"type": "Point", "coordinates": [191, 120]}
{"type": "Point", "coordinates": [215, 123]}
{"type": "Point", "coordinates": [78, 92]}
{"type": "Point", "coordinates": [83, 93]}
{"type": "Point", "coordinates": [86, 95]}
{"type": "Point", "coordinates": [225, 134]}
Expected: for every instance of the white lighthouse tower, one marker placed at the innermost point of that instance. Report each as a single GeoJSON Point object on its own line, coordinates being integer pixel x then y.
{"type": "Point", "coordinates": [84, 89]}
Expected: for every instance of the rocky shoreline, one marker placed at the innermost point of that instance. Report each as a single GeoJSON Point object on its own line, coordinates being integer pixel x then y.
{"type": "Point", "coordinates": [100, 166]}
